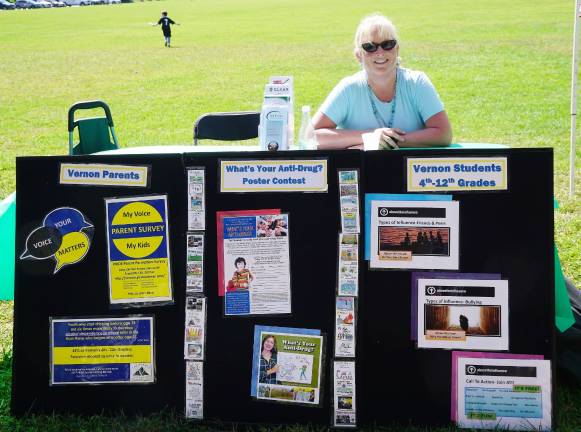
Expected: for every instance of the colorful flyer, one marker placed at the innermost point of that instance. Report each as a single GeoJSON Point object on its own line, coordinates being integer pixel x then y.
{"type": "Point", "coordinates": [194, 263]}
{"type": "Point", "coordinates": [195, 329]}
{"type": "Point", "coordinates": [502, 393]}
{"type": "Point", "coordinates": [463, 314]}
{"type": "Point", "coordinates": [138, 250]}
{"type": "Point", "coordinates": [345, 322]}
{"type": "Point", "coordinates": [344, 414]}
{"type": "Point", "coordinates": [196, 199]}
{"type": "Point", "coordinates": [349, 200]}
{"type": "Point", "coordinates": [65, 236]}
{"type": "Point", "coordinates": [102, 350]}
{"type": "Point", "coordinates": [287, 365]}
{"type": "Point", "coordinates": [220, 215]}
{"type": "Point", "coordinates": [348, 269]}
{"type": "Point", "coordinates": [194, 390]}
{"type": "Point", "coordinates": [414, 235]}
{"type": "Point", "coordinates": [256, 264]}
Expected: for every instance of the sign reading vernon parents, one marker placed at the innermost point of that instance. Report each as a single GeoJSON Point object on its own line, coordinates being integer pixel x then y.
{"type": "Point", "coordinates": [273, 175]}
{"type": "Point", "coordinates": [457, 174]}
{"type": "Point", "coordinates": [104, 175]}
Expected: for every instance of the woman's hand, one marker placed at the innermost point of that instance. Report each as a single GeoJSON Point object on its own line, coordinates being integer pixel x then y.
{"type": "Point", "coordinates": [273, 370]}
{"type": "Point", "coordinates": [389, 138]}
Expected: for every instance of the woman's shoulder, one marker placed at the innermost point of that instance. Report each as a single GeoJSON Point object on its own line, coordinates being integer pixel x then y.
{"type": "Point", "coordinates": [353, 81]}
{"type": "Point", "coordinates": [413, 76]}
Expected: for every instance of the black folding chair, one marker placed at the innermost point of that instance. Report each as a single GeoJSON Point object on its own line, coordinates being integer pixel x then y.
{"type": "Point", "coordinates": [227, 126]}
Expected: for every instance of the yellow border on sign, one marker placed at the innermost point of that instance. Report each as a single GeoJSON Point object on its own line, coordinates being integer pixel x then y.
{"type": "Point", "coordinates": [141, 169]}
{"type": "Point", "coordinates": [273, 162]}
{"type": "Point", "coordinates": [502, 160]}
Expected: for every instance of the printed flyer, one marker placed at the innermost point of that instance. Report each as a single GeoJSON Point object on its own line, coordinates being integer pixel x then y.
{"type": "Point", "coordinates": [256, 264]}
{"type": "Point", "coordinates": [502, 393]}
{"type": "Point", "coordinates": [344, 394]}
{"type": "Point", "coordinates": [194, 390]}
{"type": "Point", "coordinates": [348, 277]}
{"type": "Point", "coordinates": [195, 333]}
{"type": "Point", "coordinates": [463, 314]}
{"type": "Point", "coordinates": [349, 200]}
{"type": "Point", "coordinates": [194, 263]}
{"type": "Point", "coordinates": [138, 250]}
{"type": "Point", "coordinates": [345, 318]}
{"type": "Point", "coordinates": [287, 365]}
{"type": "Point", "coordinates": [102, 350]}
{"type": "Point", "coordinates": [414, 235]}
{"type": "Point", "coordinates": [196, 200]}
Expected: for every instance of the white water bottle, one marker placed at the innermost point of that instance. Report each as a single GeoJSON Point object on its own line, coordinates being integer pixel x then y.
{"type": "Point", "coordinates": [307, 139]}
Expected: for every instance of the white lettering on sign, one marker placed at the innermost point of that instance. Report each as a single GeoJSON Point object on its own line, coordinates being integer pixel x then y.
{"type": "Point", "coordinates": [457, 174]}
{"type": "Point", "coordinates": [273, 175]}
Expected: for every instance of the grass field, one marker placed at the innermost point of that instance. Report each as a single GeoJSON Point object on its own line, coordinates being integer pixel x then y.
{"type": "Point", "coordinates": [502, 68]}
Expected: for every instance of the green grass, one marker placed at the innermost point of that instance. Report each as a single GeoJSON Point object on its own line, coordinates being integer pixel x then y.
{"type": "Point", "coordinates": [502, 68]}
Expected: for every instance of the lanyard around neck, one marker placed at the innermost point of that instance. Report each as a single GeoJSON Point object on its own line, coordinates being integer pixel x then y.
{"type": "Point", "coordinates": [378, 117]}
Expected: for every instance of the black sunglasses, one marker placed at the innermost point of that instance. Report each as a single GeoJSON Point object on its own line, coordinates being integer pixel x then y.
{"type": "Point", "coordinates": [386, 45]}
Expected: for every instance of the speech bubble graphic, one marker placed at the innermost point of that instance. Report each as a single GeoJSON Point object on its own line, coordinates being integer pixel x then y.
{"type": "Point", "coordinates": [73, 249]}
{"type": "Point", "coordinates": [66, 220]}
{"type": "Point", "coordinates": [42, 243]}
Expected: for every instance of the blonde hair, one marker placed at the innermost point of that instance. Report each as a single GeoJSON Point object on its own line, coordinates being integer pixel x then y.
{"type": "Point", "coordinates": [373, 25]}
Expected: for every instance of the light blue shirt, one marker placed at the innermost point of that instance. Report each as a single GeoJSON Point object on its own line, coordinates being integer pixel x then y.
{"type": "Point", "coordinates": [349, 105]}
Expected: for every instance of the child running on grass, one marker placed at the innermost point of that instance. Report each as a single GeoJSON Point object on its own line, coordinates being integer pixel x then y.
{"type": "Point", "coordinates": [166, 23]}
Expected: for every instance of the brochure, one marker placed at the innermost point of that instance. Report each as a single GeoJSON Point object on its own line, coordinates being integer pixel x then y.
{"type": "Point", "coordinates": [196, 200]}
{"type": "Point", "coordinates": [195, 328]}
{"type": "Point", "coordinates": [256, 264]}
{"type": "Point", "coordinates": [194, 390]}
{"type": "Point", "coordinates": [502, 393]}
{"type": "Point", "coordinates": [348, 269]}
{"type": "Point", "coordinates": [344, 394]}
{"type": "Point", "coordinates": [287, 365]}
{"type": "Point", "coordinates": [349, 200]}
{"type": "Point", "coordinates": [345, 322]}
{"type": "Point", "coordinates": [194, 263]}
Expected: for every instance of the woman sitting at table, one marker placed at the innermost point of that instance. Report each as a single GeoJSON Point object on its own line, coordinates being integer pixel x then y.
{"type": "Point", "coordinates": [384, 105]}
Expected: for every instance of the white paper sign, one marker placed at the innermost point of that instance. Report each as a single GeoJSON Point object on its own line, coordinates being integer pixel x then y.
{"type": "Point", "coordinates": [194, 390]}
{"type": "Point", "coordinates": [463, 314]}
{"type": "Point", "coordinates": [104, 175]}
{"type": "Point", "coordinates": [196, 199]}
{"type": "Point", "coordinates": [273, 176]}
{"type": "Point", "coordinates": [504, 394]}
{"type": "Point", "coordinates": [414, 234]}
{"type": "Point", "coordinates": [457, 174]}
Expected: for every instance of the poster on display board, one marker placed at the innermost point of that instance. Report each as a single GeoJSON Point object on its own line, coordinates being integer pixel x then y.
{"type": "Point", "coordinates": [287, 365]}
{"type": "Point", "coordinates": [195, 328]}
{"type": "Point", "coordinates": [196, 199]}
{"type": "Point", "coordinates": [194, 263]}
{"type": "Point", "coordinates": [194, 390]}
{"type": "Point", "coordinates": [345, 326]}
{"type": "Point", "coordinates": [498, 391]}
{"type": "Point", "coordinates": [349, 200]}
{"type": "Point", "coordinates": [256, 263]}
{"type": "Point", "coordinates": [348, 271]}
{"type": "Point", "coordinates": [102, 350]}
{"type": "Point", "coordinates": [138, 250]}
{"type": "Point", "coordinates": [463, 314]}
{"type": "Point", "coordinates": [414, 235]}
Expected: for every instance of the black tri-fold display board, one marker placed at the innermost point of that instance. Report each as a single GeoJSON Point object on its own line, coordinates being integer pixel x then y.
{"type": "Point", "coordinates": [507, 232]}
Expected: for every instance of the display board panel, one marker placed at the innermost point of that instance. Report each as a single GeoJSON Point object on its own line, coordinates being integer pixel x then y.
{"type": "Point", "coordinates": [503, 232]}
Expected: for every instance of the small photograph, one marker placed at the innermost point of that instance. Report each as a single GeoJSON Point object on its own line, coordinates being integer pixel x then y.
{"type": "Point", "coordinates": [349, 239]}
{"type": "Point", "coordinates": [194, 241]}
{"type": "Point", "coordinates": [272, 226]}
{"type": "Point", "coordinates": [418, 241]}
{"type": "Point", "coordinates": [349, 270]}
{"type": "Point", "coordinates": [347, 176]}
{"type": "Point", "coordinates": [345, 333]}
{"type": "Point", "coordinates": [194, 350]}
{"type": "Point", "coordinates": [195, 202]}
{"type": "Point", "coordinates": [263, 391]}
{"type": "Point", "coordinates": [472, 320]}
{"type": "Point", "coordinates": [347, 288]}
{"type": "Point", "coordinates": [349, 254]}
{"type": "Point", "coordinates": [194, 269]}
{"type": "Point", "coordinates": [282, 393]}
{"type": "Point", "coordinates": [344, 419]}
{"type": "Point", "coordinates": [193, 333]}
{"type": "Point", "coordinates": [349, 201]}
{"type": "Point", "coordinates": [194, 303]}
{"type": "Point", "coordinates": [242, 277]}
{"type": "Point", "coordinates": [302, 394]}
{"type": "Point", "coordinates": [345, 402]}
{"type": "Point", "coordinates": [348, 189]}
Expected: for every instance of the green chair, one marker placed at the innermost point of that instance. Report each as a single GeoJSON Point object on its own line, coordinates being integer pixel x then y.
{"type": "Point", "coordinates": [94, 133]}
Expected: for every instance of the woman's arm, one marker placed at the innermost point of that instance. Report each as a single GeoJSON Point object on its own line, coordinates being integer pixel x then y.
{"type": "Point", "coordinates": [438, 132]}
{"type": "Point", "coordinates": [329, 137]}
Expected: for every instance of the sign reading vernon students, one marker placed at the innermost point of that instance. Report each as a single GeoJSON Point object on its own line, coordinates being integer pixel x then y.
{"type": "Point", "coordinates": [273, 175]}
{"type": "Point", "coordinates": [457, 174]}
{"type": "Point", "coordinates": [138, 249]}
{"type": "Point", "coordinates": [104, 175]}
